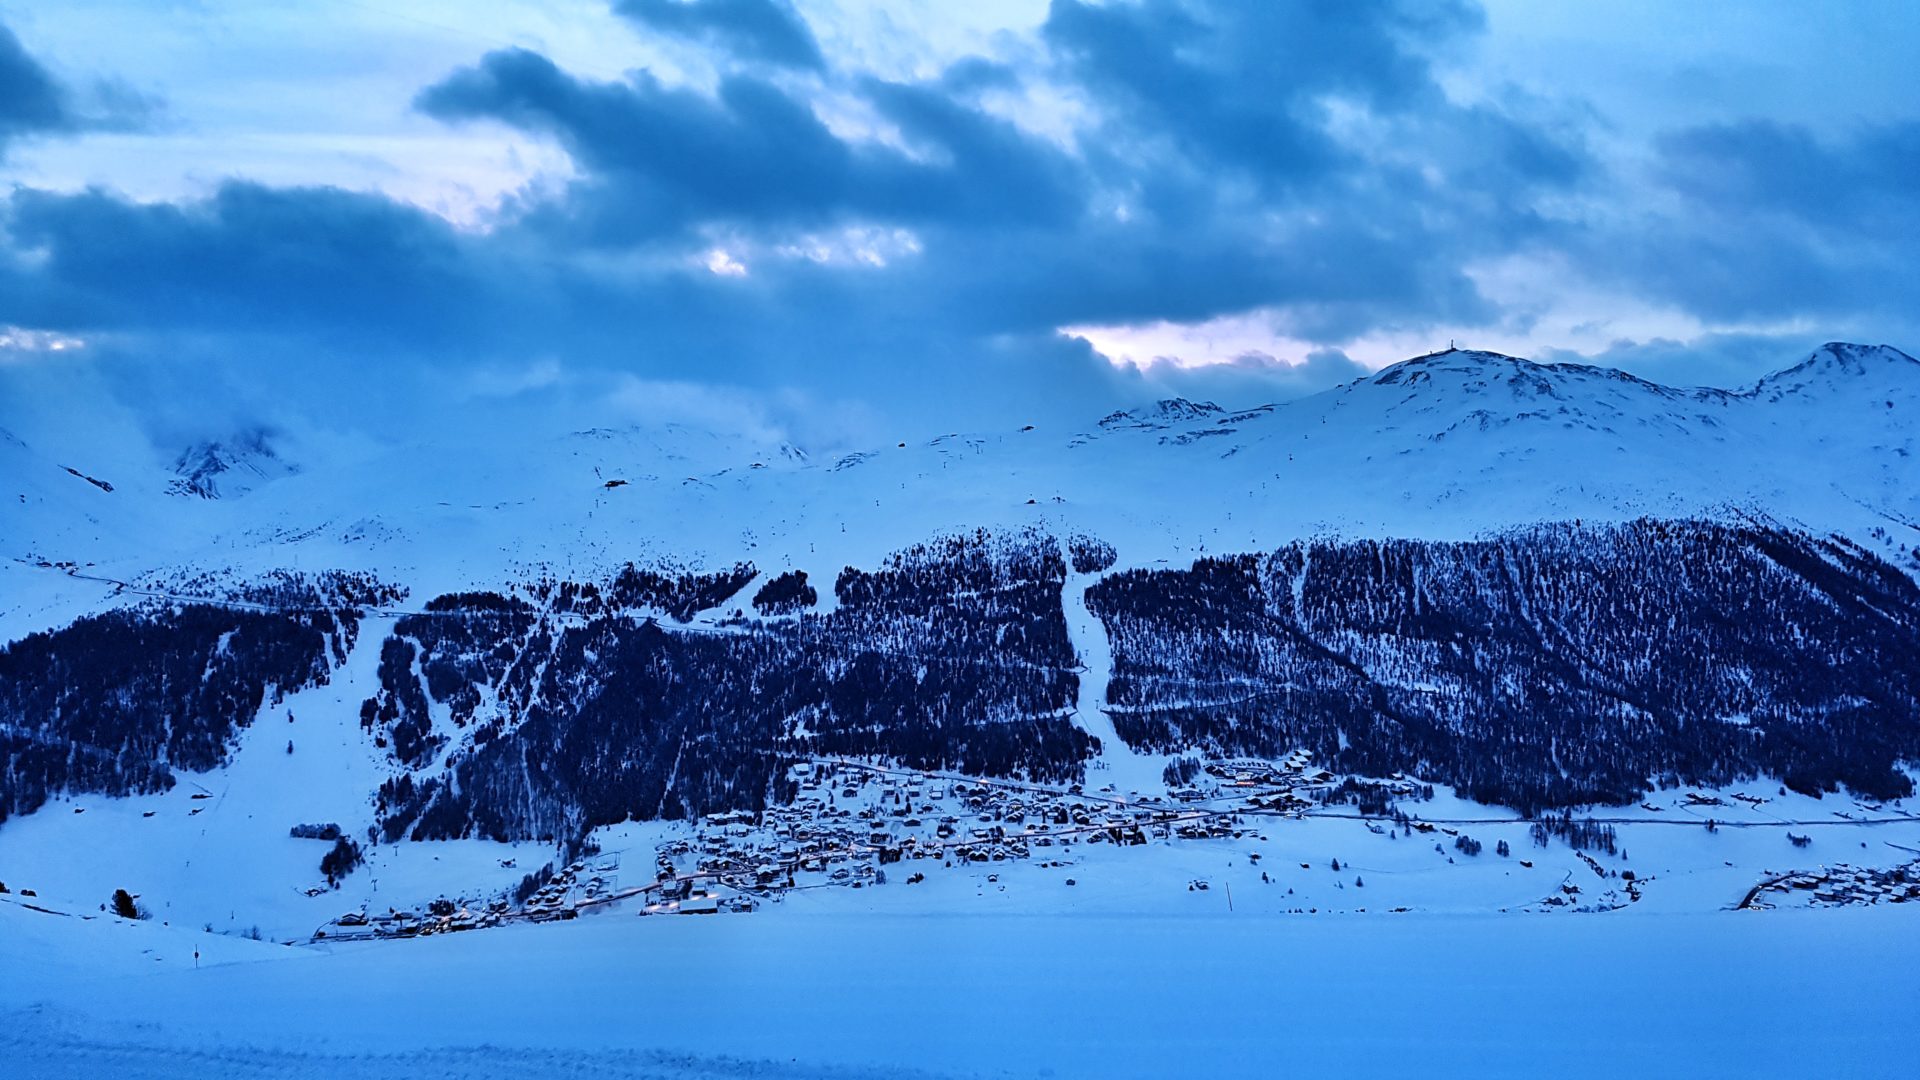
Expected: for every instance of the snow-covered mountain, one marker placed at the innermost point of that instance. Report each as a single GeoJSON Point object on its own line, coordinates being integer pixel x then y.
{"type": "Point", "coordinates": [1540, 585]}
{"type": "Point", "coordinates": [1447, 446]}
{"type": "Point", "coordinates": [229, 469]}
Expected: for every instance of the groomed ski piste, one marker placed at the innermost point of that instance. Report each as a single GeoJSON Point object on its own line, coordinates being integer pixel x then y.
{"type": "Point", "coordinates": [1729, 932]}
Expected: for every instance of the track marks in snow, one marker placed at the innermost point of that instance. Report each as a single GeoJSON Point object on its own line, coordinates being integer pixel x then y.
{"type": "Point", "coordinates": [58, 1057]}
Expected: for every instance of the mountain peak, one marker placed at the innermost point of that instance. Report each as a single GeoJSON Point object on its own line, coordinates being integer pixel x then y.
{"type": "Point", "coordinates": [211, 470]}
{"type": "Point", "coordinates": [1166, 411]}
{"type": "Point", "coordinates": [1480, 370]}
{"type": "Point", "coordinates": [1851, 357]}
{"type": "Point", "coordinates": [1837, 364]}
{"type": "Point", "coordinates": [1464, 361]}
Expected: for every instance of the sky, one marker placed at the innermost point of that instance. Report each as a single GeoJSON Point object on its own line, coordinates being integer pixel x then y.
{"type": "Point", "coordinates": [830, 218]}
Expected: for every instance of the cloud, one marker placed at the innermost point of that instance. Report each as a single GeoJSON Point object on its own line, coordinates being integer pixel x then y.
{"type": "Point", "coordinates": [1856, 182]}
{"type": "Point", "coordinates": [247, 259]}
{"type": "Point", "coordinates": [1244, 85]}
{"type": "Point", "coordinates": [767, 31]}
{"type": "Point", "coordinates": [364, 312]}
{"type": "Point", "coordinates": [661, 162]}
{"type": "Point", "coordinates": [1726, 361]}
{"type": "Point", "coordinates": [918, 262]}
{"type": "Point", "coordinates": [908, 250]}
{"type": "Point", "coordinates": [31, 101]}
{"type": "Point", "coordinates": [1775, 222]}
{"type": "Point", "coordinates": [34, 102]}
{"type": "Point", "coordinates": [1251, 378]}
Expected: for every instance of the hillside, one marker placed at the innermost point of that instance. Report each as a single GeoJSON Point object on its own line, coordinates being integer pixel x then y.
{"type": "Point", "coordinates": [1441, 447]}
{"type": "Point", "coordinates": [1545, 587]}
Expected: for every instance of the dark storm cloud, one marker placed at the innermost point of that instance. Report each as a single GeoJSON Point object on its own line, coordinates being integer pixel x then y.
{"type": "Point", "coordinates": [34, 102]}
{"type": "Point", "coordinates": [1725, 361]}
{"type": "Point", "coordinates": [661, 161]}
{"type": "Point", "coordinates": [1858, 183]}
{"type": "Point", "coordinates": [1243, 84]}
{"type": "Point", "coordinates": [245, 259]}
{"type": "Point", "coordinates": [1778, 221]}
{"type": "Point", "coordinates": [1298, 160]}
{"type": "Point", "coordinates": [763, 30]}
{"type": "Point", "coordinates": [1210, 182]}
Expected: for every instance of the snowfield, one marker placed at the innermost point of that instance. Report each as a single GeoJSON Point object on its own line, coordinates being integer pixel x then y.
{"type": "Point", "coordinates": [1147, 995]}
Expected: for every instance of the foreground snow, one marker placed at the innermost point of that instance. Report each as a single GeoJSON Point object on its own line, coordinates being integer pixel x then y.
{"type": "Point", "coordinates": [785, 994]}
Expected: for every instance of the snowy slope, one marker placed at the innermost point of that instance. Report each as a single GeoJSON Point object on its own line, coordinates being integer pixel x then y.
{"type": "Point", "coordinates": [857, 998]}
{"type": "Point", "coordinates": [51, 506]}
{"type": "Point", "coordinates": [229, 469]}
{"type": "Point", "coordinates": [1446, 446]}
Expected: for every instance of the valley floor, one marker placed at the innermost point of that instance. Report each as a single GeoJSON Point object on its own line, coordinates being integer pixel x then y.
{"type": "Point", "coordinates": [792, 994]}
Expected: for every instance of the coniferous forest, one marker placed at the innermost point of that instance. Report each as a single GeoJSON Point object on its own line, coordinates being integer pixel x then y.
{"type": "Point", "coordinates": [1549, 667]}
{"type": "Point", "coordinates": [952, 655]}
{"type": "Point", "coordinates": [1553, 666]}
{"type": "Point", "coordinates": [114, 702]}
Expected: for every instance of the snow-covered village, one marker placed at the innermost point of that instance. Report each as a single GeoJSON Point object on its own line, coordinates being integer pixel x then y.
{"type": "Point", "coordinates": [857, 826]}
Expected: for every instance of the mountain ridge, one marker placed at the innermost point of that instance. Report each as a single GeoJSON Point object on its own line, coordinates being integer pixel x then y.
{"type": "Point", "coordinates": [1449, 445]}
{"type": "Point", "coordinates": [1544, 587]}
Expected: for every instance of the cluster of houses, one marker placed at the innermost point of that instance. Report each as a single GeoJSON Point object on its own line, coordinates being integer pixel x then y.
{"type": "Point", "coordinates": [580, 885]}
{"type": "Point", "coordinates": [583, 883]}
{"type": "Point", "coordinates": [850, 822]}
{"type": "Point", "coordinates": [442, 917]}
{"type": "Point", "coordinates": [1841, 885]}
{"type": "Point", "coordinates": [1285, 786]}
